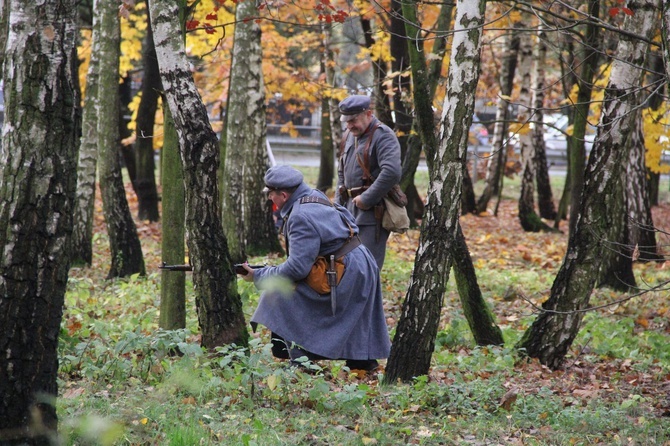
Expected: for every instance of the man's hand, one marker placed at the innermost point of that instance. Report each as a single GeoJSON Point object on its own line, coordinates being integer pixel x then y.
{"type": "Point", "coordinates": [249, 275]}
{"type": "Point", "coordinates": [359, 203]}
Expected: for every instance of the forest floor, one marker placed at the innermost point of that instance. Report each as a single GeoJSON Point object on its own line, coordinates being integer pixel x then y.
{"type": "Point", "coordinates": [614, 387]}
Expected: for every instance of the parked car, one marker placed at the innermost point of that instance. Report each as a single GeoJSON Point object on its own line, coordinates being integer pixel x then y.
{"type": "Point", "coordinates": [479, 134]}
{"type": "Point", "coordinates": [555, 138]}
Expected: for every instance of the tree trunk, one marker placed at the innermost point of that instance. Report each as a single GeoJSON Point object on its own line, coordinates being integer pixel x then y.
{"type": "Point", "coordinates": [125, 249]}
{"type": "Point", "coordinates": [424, 86]}
{"type": "Point", "coordinates": [82, 233]}
{"type": "Point", "coordinates": [553, 332]}
{"type": "Point", "coordinates": [528, 140]}
{"type": "Point", "coordinates": [414, 341]}
{"type": "Point", "coordinates": [382, 106]}
{"type": "Point", "coordinates": [468, 203]}
{"type": "Point", "coordinates": [576, 147]}
{"type": "Point", "coordinates": [4, 29]}
{"type": "Point", "coordinates": [38, 162]}
{"type": "Point", "coordinates": [173, 283]}
{"type": "Point", "coordinates": [496, 160]}
{"type": "Point", "coordinates": [545, 196]}
{"type": "Point", "coordinates": [402, 90]}
{"type": "Point", "coordinates": [477, 312]}
{"type": "Point", "coordinates": [327, 161]}
{"type": "Point", "coordinates": [641, 224]}
{"type": "Point", "coordinates": [145, 179]}
{"type": "Point", "coordinates": [247, 217]}
{"type": "Point", "coordinates": [331, 127]}
{"type": "Point", "coordinates": [218, 304]}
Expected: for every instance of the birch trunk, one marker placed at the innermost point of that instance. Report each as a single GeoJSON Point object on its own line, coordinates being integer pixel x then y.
{"type": "Point", "coordinates": [247, 214]}
{"type": "Point", "coordinates": [552, 333]}
{"type": "Point", "coordinates": [124, 243]}
{"type": "Point", "coordinates": [477, 312]}
{"type": "Point", "coordinates": [545, 196]}
{"type": "Point", "coordinates": [529, 139]}
{"type": "Point", "coordinates": [576, 149]}
{"type": "Point", "coordinates": [218, 304]}
{"type": "Point", "coordinates": [496, 161]}
{"type": "Point", "coordinates": [145, 167]}
{"type": "Point", "coordinates": [414, 341]}
{"type": "Point", "coordinates": [331, 127]}
{"type": "Point", "coordinates": [38, 162]}
{"type": "Point", "coordinates": [82, 234]}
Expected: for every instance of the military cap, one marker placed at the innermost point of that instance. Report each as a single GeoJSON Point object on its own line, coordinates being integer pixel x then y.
{"type": "Point", "coordinates": [282, 177]}
{"type": "Point", "coordinates": [352, 106]}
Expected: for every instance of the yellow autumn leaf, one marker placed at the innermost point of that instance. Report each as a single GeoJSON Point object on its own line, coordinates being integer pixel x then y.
{"type": "Point", "coordinates": [273, 380]}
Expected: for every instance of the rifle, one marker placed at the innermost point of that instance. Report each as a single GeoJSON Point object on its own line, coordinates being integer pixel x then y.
{"type": "Point", "coordinates": [176, 267]}
{"type": "Point", "coordinates": [239, 269]}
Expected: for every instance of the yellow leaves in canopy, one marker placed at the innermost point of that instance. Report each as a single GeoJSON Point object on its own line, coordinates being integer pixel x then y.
{"type": "Point", "coordinates": [380, 49]}
{"type": "Point", "coordinates": [656, 139]}
{"type": "Point", "coordinates": [84, 56]}
{"type": "Point", "coordinates": [133, 30]}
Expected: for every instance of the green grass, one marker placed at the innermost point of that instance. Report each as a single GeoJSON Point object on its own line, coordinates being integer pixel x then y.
{"type": "Point", "coordinates": [121, 382]}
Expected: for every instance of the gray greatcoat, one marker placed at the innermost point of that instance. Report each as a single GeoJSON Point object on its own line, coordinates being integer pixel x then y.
{"type": "Point", "coordinates": [358, 329]}
{"type": "Point", "coordinates": [385, 166]}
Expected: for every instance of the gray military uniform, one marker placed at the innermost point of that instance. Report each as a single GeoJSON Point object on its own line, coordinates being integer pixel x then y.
{"type": "Point", "coordinates": [385, 167]}
{"type": "Point", "coordinates": [299, 314]}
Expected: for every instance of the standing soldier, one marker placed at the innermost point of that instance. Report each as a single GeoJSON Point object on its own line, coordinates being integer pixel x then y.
{"type": "Point", "coordinates": [369, 167]}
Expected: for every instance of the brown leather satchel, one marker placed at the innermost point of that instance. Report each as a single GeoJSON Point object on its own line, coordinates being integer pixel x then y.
{"type": "Point", "coordinates": [318, 279]}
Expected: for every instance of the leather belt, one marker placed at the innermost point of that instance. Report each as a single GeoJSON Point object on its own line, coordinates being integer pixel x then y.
{"type": "Point", "coordinates": [356, 191]}
{"type": "Point", "coordinates": [348, 246]}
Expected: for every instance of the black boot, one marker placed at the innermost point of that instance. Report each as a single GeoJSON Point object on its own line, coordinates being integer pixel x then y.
{"type": "Point", "coordinates": [367, 365]}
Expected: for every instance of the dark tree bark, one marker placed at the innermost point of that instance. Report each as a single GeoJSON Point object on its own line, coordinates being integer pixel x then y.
{"type": "Point", "coordinates": [545, 196]}
{"type": "Point", "coordinates": [477, 312]}
{"type": "Point", "coordinates": [468, 203]}
{"type": "Point", "coordinates": [126, 252]}
{"type": "Point", "coordinates": [553, 332]}
{"type": "Point", "coordinates": [327, 162]}
{"type": "Point", "coordinates": [331, 139]}
{"type": "Point", "coordinates": [218, 304]}
{"type": "Point", "coordinates": [145, 177]}
{"type": "Point", "coordinates": [497, 159]}
{"type": "Point", "coordinates": [401, 84]}
{"type": "Point", "coordinates": [427, 82]}
{"type": "Point", "coordinates": [414, 341]}
{"type": "Point", "coordinates": [576, 148]}
{"type": "Point", "coordinates": [82, 233]}
{"type": "Point", "coordinates": [247, 218]}
{"type": "Point", "coordinates": [382, 105]}
{"type": "Point", "coordinates": [656, 76]}
{"type": "Point", "coordinates": [173, 283]}
{"type": "Point", "coordinates": [38, 162]}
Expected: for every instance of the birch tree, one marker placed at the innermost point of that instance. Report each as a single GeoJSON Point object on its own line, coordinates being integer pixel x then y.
{"type": "Point", "coordinates": [218, 304]}
{"type": "Point", "coordinates": [497, 159]}
{"type": "Point", "coordinates": [414, 341]}
{"type": "Point", "coordinates": [145, 178]}
{"type": "Point", "coordinates": [124, 242]}
{"type": "Point", "coordinates": [87, 164]}
{"type": "Point", "coordinates": [552, 333]}
{"type": "Point", "coordinates": [38, 161]}
{"type": "Point", "coordinates": [247, 214]}
{"type": "Point", "coordinates": [477, 312]}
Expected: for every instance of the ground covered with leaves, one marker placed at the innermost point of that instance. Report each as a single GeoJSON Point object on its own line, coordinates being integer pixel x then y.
{"type": "Point", "coordinates": [122, 383]}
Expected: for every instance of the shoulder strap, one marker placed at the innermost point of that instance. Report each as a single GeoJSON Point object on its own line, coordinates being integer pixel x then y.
{"type": "Point", "coordinates": [365, 161]}
{"type": "Point", "coordinates": [343, 142]}
{"type": "Point", "coordinates": [310, 199]}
